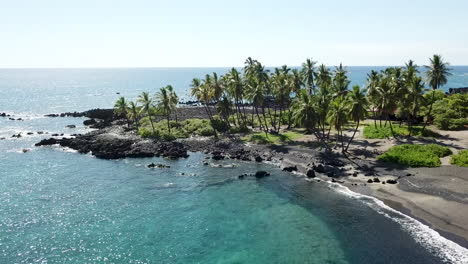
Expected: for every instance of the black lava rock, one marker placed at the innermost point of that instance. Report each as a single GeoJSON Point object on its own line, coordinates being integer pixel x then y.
{"type": "Point", "coordinates": [261, 174]}
{"type": "Point", "coordinates": [290, 168]}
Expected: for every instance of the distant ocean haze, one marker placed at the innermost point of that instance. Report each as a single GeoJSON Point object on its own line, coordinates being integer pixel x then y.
{"type": "Point", "coordinates": [42, 91]}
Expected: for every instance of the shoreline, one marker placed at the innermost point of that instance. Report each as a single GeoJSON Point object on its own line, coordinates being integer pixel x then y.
{"type": "Point", "coordinates": [111, 137]}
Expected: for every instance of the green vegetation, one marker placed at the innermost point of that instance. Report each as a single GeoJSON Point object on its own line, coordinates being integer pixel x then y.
{"type": "Point", "coordinates": [262, 138]}
{"type": "Point", "coordinates": [416, 155]}
{"type": "Point", "coordinates": [451, 113]}
{"type": "Point", "coordinates": [386, 132]}
{"type": "Point", "coordinates": [460, 159]}
{"type": "Point", "coordinates": [318, 99]}
{"type": "Point", "coordinates": [184, 129]}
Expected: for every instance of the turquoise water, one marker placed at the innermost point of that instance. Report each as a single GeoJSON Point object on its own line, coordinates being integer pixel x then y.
{"type": "Point", "coordinates": [57, 206]}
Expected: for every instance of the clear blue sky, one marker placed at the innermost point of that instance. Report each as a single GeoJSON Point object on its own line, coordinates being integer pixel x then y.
{"type": "Point", "coordinates": [171, 33]}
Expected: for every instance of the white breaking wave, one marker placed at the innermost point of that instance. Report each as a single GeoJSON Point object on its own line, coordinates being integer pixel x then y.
{"type": "Point", "coordinates": [443, 248]}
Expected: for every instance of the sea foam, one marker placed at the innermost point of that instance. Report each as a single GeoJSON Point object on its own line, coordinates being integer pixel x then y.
{"type": "Point", "coordinates": [443, 248]}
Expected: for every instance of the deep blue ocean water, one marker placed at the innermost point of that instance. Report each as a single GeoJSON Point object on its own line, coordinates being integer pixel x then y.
{"type": "Point", "coordinates": [57, 206]}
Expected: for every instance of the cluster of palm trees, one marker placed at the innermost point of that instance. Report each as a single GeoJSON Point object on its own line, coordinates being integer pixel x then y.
{"type": "Point", "coordinates": [400, 90]}
{"type": "Point", "coordinates": [163, 103]}
{"type": "Point", "coordinates": [315, 98]}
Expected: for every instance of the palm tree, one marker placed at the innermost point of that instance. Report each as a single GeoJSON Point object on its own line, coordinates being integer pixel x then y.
{"type": "Point", "coordinates": [415, 97]}
{"type": "Point", "coordinates": [174, 100]}
{"type": "Point", "coordinates": [217, 87]}
{"type": "Point", "coordinates": [323, 77]}
{"type": "Point", "coordinates": [133, 113]}
{"type": "Point", "coordinates": [224, 108]}
{"type": "Point", "coordinates": [164, 104]}
{"type": "Point", "coordinates": [147, 103]}
{"type": "Point", "coordinates": [338, 117]}
{"type": "Point", "coordinates": [120, 108]}
{"type": "Point", "coordinates": [305, 114]}
{"type": "Point", "coordinates": [373, 80]}
{"type": "Point", "coordinates": [340, 81]}
{"type": "Point", "coordinates": [357, 104]}
{"type": "Point", "coordinates": [308, 68]}
{"type": "Point", "coordinates": [256, 96]}
{"type": "Point", "coordinates": [235, 88]}
{"type": "Point", "coordinates": [437, 73]}
{"type": "Point", "coordinates": [201, 92]}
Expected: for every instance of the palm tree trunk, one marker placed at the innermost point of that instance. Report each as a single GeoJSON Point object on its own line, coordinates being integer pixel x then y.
{"type": "Point", "coordinates": [352, 137]}
{"type": "Point", "coordinates": [375, 118]}
{"type": "Point", "coordinates": [391, 127]}
{"type": "Point", "coordinates": [259, 120]}
{"type": "Point", "coordinates": [280, 117]}
{"type": "Point", "coordinates": [342, 141]}
{"type": "Point", "coordinates": [264, 118]}
{"type": "Point", "coordinates": [429, 112]}
{"type": "Point", "coordinates": [151, 121]}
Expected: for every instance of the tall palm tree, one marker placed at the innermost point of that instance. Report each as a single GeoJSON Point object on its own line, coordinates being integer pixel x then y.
{"type": "Point", "coordinates": [415, 98]}
{"type": "Point", "coordinates": [224, 108]}
{"type": "Point", "coordinates": [217, 87]}
{"type": "Point", "coordinates": [308, 71]}
{"type": "Point", "coordinates": [256, 96]}
{"type": "Point", "coordinates": [323, 77]}
{"type": "Point", "coordinates": [235, 88]}
{"type": "Point", "coordinates": [202, 93]}
{"type": "Point", "coordinates": [338, 117]}
{"type": "Point", "coordinates": [120, 107]}
{"type": "Point", "coordinates": [373, 80]}
{"type": "Point", "coordinates": [174, 100]}
{"type": "Point", "coordinates": [164, 104]}
{"type": "Point", "coordinates": [305, 114]}
{"type": "Point", "coordinates": [340, 81]}
{"type": "Point", "coordinates": [133, 113]}
{"type": "Point", "coordinates": [357, 105]}
{"type": "Point", "coordinates": [437, 73]}
{"type": "Point", "coordinates": [147, 103]}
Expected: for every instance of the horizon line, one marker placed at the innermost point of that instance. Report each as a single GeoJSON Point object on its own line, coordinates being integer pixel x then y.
{"type": "Point", "coordinates": [189, 67]}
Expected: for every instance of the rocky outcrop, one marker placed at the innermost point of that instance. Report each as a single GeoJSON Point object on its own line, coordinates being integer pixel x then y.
{"type": "Point", "coordinates": [104, 147]}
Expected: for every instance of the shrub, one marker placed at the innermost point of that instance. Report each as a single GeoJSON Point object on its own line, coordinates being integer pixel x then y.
{"type": "Point", "coordinates": [147, 133]}
{"type": "Point", "coordinates": [451, 113]}
{"type": "Point", "coordinates": [207, 131]}
{"type": "Point", "coordinates": [385, 132]}
{"type": "Point", "coordinates": [220, 125]}
{"type": "Point", "coordinates": [262, 138]}
{"type": "Point", "coordinates": [460, 159]}
{"type": "Point", "coordinates": [237, 130]}
{"type": "Point", "coordinates": [168, 137]}
{"type": "Point", "coordinates": [415, 155]}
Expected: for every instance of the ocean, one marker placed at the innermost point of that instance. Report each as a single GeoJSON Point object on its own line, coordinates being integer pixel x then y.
{"type": "Point", "coordinates": [58, 206]}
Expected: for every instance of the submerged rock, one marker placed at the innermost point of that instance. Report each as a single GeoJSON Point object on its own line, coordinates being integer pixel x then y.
{"type": "Point", "coordinates": [290, 168]}
{"type": "Point", "coordinates": [70, 126]}
{"type": "Point", "coordinates": [159, 166]}
{"type": "Point", "coordinates": [261, 174]}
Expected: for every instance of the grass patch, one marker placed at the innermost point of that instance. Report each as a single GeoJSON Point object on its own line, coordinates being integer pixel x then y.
{"type": "Point", "coordinates": [371, 131]}
{"type": "Point", "coordinates": [460, 159]}
{"type": "Point", "coordinates": [262, 138]}
{"type": "Point", "coordinates": [416, 155]}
